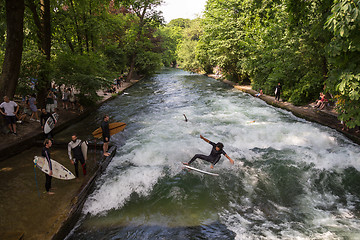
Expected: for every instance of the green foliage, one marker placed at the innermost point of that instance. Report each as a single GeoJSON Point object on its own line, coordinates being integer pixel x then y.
{"type": "Point", "coordinates": [344, 51]}
{"type": "Point", "coordinates": [83, 72]}
{"type": "Point", "coordinates": [171, 36]}
{"type": "Point", "coordinates": [268, 41]}
{"type": "Point", "coordinates": [187, 54]}
{"type": "Point", "coordinates": [116, 58]}
{"type": "Point", "coordinates": [33, 66]}
{"type": "Point", "coordinates": [148, 62]}
{"type": "Point", "coordinates": [92, 41]}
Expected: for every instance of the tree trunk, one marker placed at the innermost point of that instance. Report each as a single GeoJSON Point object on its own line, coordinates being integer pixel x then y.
{"type": "Point", "coordinates": [42, 20]}
{"type": "Point", "coordinates": [132, 68]}
{"type": "Point", "coordinates": [46, 28]}
{"type": "Point", "coordinates": [14, 47]}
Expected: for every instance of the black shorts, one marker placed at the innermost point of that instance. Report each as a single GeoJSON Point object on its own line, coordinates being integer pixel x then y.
{"type": "Point", "coordinates": [10, 119]}
{"type": "Point", "coordinates": [107, 140]}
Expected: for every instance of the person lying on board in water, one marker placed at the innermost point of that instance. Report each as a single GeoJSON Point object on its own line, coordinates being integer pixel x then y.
{"type": "Point", "coordinates": [215, 154]}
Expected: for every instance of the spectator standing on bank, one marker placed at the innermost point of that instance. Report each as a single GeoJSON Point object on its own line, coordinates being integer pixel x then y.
{"type": "Point", "coordinates": [72, 99]}
{"type": "Point", "coordinates": [33, 108]}
{"type": "Point", "coordinates": [10, 113]}
{"type": "Point", "coordinates": [54, 90]}
{"type": "Point", "coordinates": [277, 92]}
{"type": "Point", "coordinates": [50, 107]}
{"type": "Point", "coordinates": [118, 82]}
{"type": "Point", "coordinates": [65, 99]}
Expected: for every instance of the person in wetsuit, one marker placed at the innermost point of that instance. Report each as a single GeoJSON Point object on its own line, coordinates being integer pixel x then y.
{"type": "Point", "coordinates": [106, 134]}
{"type": "Point", "coordinates": [214, 156]}
{"type": "Point", "coordinates": [77, 156]}
{"type": "Point", "coordinates": [48, 176]}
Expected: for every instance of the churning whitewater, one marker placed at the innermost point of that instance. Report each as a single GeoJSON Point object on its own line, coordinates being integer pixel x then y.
{"type": "Point", "coordinates": [292, 179]}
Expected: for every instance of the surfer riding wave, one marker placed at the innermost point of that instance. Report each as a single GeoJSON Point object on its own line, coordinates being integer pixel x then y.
{"type": "Point", "coordinates": [214, 156]}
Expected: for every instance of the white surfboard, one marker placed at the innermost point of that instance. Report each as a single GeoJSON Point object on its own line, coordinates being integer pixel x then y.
{"type": "Point", "coordinates": [84, 149]}
{"type": "Point", "coordinates": [55, 116]}
{"type": "Point", "coordinates": [201, 171]}
{"type": "Point", "coordinates": [59, 171]}
{"type": "Point", "coordinates": [50, 123]}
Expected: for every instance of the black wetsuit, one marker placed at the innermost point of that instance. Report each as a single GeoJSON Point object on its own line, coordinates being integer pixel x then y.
{"type": "Point", "coordinates": [77, 157]}
{"type": "Point", "coordinates": [45, 153]}
{"type": "Point", "coordinates": [277, 92]}
{"type": "Point", "coordinates": [214, 156]}
{"type": "Point", "coordinates": [105, 131]}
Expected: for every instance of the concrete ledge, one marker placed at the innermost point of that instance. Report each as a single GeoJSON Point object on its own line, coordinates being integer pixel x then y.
{"type": "Point", "coordinates": [78, 201]}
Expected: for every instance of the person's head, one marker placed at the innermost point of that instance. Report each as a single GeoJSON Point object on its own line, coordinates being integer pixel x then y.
{"type": "Point", "coordinates": [106, 118]}
{"type": "Point", "coordinates": [279, 84]}
{"type": "Point", "coordinates": [47, 143]}
{"type": "Point", "coordinates": [33, 95]}
{"type": "Point", "coordinates": [43, 110]}
{"type": "Point", "coordinates": [6, 99]}
{"type": "Point", "coordinates": [74, 137]}
{"type": "Point", "coordinates": [219, 146]}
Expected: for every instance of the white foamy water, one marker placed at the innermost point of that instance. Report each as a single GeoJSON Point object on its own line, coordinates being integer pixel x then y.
{"type": "Point", "coordinates": [286, 182]}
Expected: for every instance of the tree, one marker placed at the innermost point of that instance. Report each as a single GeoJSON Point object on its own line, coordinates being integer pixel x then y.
{"type": "Point", "coordinates": [145, 12]}
{"type": "Point", "coordinates": [14, 46]}
{"type": "Point", "coordinates": [41, 14]}
{"type": "Point", "coordinates": [187, 47]}
{"type": "Point", "coordinates": [344, 51]}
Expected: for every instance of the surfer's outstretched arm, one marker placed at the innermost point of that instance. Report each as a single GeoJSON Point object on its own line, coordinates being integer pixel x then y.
{"type": "Point", "coordinates": [231, 161]}
{"type": "Point", "coordinates": [206, 140]}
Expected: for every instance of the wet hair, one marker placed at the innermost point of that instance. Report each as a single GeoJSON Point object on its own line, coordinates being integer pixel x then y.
{"type": "Point", "coordinates": [220, 145]}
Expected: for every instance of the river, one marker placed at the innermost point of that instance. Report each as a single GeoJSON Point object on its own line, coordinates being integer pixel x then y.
{"type": "Point", "coordinates": [292, 179]}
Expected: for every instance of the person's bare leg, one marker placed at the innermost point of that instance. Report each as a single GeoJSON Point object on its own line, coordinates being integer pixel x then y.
{"type": "Point", "coordinates": [105, 149]}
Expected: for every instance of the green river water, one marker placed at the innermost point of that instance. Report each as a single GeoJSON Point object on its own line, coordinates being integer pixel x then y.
{"type": "Point", "coordinates": [292, 179]}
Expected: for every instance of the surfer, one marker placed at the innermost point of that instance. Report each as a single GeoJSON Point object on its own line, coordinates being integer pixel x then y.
{"type": "Point", "coordinates": [215, 154]}
{"type": "Point", "coordinates": [106, 134]}
{"type": "Point", "coordinates": [46, 153]}
{"type": "Point", "coordinates": [74, 146]}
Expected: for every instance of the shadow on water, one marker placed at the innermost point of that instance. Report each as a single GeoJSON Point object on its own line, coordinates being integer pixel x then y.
{"type": "Point", "coordinates": [213, 230]}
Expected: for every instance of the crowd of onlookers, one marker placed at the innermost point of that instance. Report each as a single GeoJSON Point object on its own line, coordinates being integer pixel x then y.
{"type": "Point", "coordinates": [117, 84]}
{"type": "Point", "coordinates": [26, 109]}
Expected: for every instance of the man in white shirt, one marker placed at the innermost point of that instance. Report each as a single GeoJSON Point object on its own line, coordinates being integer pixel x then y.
{"type": "Point", "coordinates": [10, 113]}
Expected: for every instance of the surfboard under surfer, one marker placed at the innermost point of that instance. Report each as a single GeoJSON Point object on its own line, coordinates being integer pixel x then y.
{"type": "Point", "coordinates": [214, 156]}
